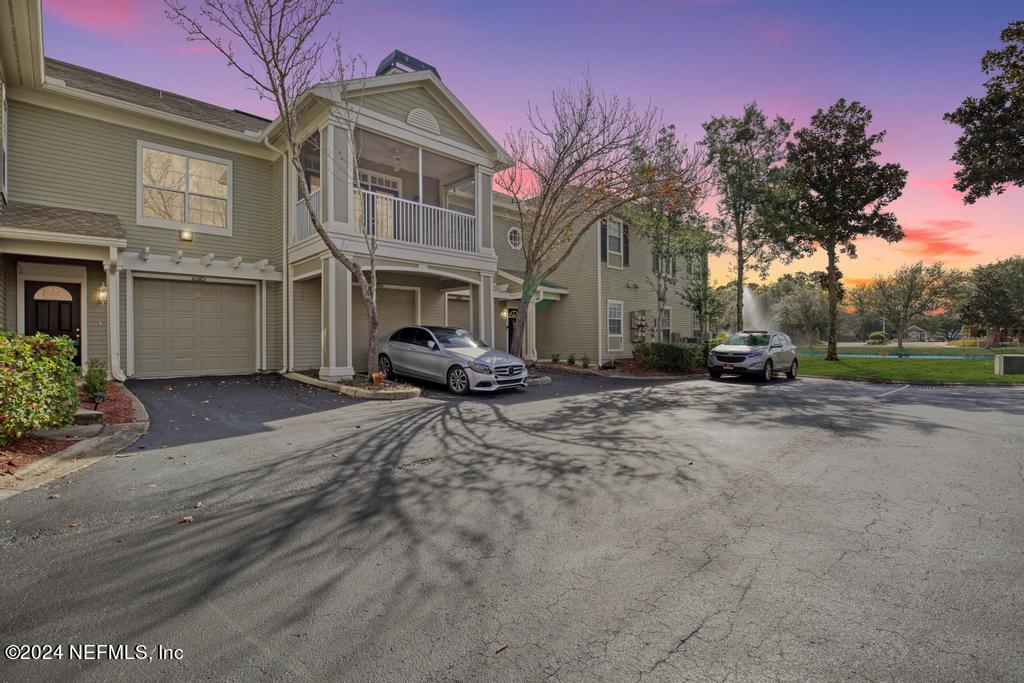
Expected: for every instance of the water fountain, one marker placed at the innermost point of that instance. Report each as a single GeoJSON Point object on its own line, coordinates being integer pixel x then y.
{"type": "Point", "coordinates": [754, 315]}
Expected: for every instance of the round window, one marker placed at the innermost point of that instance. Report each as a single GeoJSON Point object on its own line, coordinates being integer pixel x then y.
{"type": "Point", "coordinates": [515, 238]}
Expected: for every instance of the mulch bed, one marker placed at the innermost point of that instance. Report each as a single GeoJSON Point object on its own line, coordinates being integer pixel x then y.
{"type": "Point", "coordinates": [29, 449]}
{"type": "Point", "coordinates": [117, 408]}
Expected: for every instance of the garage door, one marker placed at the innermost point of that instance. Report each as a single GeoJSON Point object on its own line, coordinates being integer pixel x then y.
{"type": "Point", "coordinates": [395, 308]}
{"type": "Point", "coordinates": [185, 328]}
{"type": "Point", "coordinates": [458, 312]}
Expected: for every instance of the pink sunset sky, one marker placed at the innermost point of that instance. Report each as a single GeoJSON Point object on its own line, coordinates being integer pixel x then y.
{"type": "Point", "coordinates": [909, 62]}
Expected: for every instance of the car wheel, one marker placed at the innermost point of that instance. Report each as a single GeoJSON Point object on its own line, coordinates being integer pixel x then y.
{"type": "Point", "coordinates": [715, 374]}
{"type": "Point", "coordinates": [385, 366]}
{"type": "Point", "coordinates": [458, 381]}
{"type": "Point", "coordinates": [791, 373]}
{"type": "Point", "coordinates": [769, 370]}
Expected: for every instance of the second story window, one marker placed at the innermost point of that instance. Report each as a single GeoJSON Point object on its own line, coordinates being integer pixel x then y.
{"type": "Point", "coordinates": [309, 158]}
{"type": "Point", "coordinates": [515, 238]}
{"type": "Point", "coordinates": [614, 244]}
{"type": "Point", "coordinates": [182, 189]}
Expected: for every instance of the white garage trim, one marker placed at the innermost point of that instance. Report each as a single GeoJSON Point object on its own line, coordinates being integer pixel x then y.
{"type": "Point", "coordinates": [56, 272]}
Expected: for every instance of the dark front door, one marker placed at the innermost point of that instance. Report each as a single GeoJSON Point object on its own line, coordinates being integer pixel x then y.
{"type": "Point", "coordinates": [55, 308]}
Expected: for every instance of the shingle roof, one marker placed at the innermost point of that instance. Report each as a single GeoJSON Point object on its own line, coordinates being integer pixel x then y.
{"type": "Point", "coordinates": [22, 216]}
{"type": "Point", "coordinates": [170, 103]}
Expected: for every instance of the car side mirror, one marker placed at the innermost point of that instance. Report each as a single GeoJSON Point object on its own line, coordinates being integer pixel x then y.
{"type": "Point", "coordinates": [431, 345]}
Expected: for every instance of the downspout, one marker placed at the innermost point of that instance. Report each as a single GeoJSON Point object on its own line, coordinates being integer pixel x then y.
{"type": "Point", "coordinates": [600, 311]}
{"type": "Point", "coordinates": [285, 260]}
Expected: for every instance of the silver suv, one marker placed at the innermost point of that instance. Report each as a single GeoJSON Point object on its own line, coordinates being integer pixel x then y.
{"type": "Point", "coordinates": [754, 352]}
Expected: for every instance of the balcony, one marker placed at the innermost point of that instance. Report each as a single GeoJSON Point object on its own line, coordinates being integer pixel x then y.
{"type": "Point", "coordinates": [386, 217]}
{"type": "Point", "coordinates": [303, 224]}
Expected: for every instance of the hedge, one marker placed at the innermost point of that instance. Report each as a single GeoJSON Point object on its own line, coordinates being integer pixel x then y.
{"type": "Point", "coordinates": [675, 357]}
{"type": "Point", "coordinates": [37, 383]}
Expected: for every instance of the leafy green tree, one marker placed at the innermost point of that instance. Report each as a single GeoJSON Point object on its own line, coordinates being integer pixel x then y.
{"type": "Point", "coordinates": [743, 150]}
{"type": "Point", "coordinates": [904, 296]}
{"type": "Point", "coordinates": [990, 151]}
{"type": "Point", "coordinates": [833, 191]}
{"type": "Point", "coordinates": [996, 299]}
{"type": "Point", "coordinates": [706, 299]}
{"type": "Point", "coordinates": [802, 307]}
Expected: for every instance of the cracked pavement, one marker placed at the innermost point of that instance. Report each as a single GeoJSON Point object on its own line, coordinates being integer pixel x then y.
{"type": "Point", "coordinates": [586, 529]}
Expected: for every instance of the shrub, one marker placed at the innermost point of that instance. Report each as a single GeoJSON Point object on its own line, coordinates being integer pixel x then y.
{"type": "Point", "coordinates": [674, 357]}
{"type": "Point", "coordinates": [37, 384]}
{"type": "Point", "coordinates": [95, 379]}
{"type": "Point", "coordinates": [571, 360]}
{"type": "Point", "coordinates": [585, 361]}
{"type": "Point", "coordinates": [878, 338]}
{"type": "Point", "coordinates": [555, 358]}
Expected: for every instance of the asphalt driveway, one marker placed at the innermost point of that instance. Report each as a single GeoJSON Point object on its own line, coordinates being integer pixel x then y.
{"type": "Point", "coordinates": [587, 529]}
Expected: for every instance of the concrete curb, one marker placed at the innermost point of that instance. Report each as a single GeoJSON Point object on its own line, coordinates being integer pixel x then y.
{"type": "Point", "coordinates": [914, 383]}
{"type": "Point", "coordinates": [537, 380]}
{"type": "Point", "coordinates": [110, 440]}
{"type": "Point", "coordinates": [355, 392]}
{"type": "Point", "coordinates": [597, 373]}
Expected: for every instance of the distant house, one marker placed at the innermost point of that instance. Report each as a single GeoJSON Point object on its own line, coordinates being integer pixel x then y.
{"type": "Point", "coordinates": [915, 333]}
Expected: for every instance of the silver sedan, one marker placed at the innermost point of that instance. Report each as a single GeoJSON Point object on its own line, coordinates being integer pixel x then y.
{"type": "Point", "coordinates": [451, 356]}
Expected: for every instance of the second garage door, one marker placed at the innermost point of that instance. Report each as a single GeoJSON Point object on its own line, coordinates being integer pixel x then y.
{"type": "Point", "coordinates": [185, 328]}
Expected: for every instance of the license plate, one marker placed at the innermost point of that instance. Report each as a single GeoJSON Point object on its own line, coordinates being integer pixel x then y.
{"type": "Point", "coordinates": [728, 367]}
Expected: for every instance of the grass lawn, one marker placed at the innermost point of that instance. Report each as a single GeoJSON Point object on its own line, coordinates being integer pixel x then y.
{"type": "Point", "coordinates": [915, 350]}
{"type": "Point", "coordinates": [907, 370]}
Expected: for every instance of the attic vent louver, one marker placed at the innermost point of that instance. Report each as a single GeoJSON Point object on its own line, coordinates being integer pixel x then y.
{"type": "Point", "coordinates": [421, 118]}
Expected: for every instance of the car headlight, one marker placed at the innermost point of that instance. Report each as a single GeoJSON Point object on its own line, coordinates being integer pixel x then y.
{"type": "Point", "coordinates": [756, 352]}
{"type": "Point", "coordinates": [482, 369]}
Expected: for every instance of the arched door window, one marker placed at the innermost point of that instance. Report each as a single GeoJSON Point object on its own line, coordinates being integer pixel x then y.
{"type": "Point", "coordinates": [52, 293]}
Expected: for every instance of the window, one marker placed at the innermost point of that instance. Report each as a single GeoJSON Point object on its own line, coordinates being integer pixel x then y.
{"type": "Point", "coordinates": [52, 293]}
{"type": "Point", "coordinates": [665, 325]}
{"type": "Point", "coordinates": [664, 264]}
{"type": "Point", "coordinates": [515, 238]}
{"type": "Point", "coordinates": [180, 189]}
{"type": "Point", "coordinates": [309, 159]}
{"type": "Point", "coordinates": [614, 325]}
{"type": "Point", "coordinates": [614, 244]}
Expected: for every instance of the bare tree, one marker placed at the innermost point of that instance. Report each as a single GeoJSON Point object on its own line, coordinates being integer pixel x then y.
{"type": "Point", "coordinates": [572, 167]}
{"type": "Point", "coordinates": [279, 48]}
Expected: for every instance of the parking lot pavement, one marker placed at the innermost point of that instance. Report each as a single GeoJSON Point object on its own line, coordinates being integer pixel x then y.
{"type": "Point", "coordinates": [585, 530]}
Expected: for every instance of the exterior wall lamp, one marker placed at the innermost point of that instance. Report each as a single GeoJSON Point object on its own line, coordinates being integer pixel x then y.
{"type": "Point", "coordinates": [186, 236]}
{"type": "Point", "coordinates": [101, 295]}
{"type": "Point", "coordinates": [504, 313]}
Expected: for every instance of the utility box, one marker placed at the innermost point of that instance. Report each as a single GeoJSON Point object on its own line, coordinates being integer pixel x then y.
{"type": "Point", "coordinates": [1009, 365]}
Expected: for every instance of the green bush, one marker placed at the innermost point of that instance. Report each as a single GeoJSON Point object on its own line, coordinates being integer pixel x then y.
{"type": "Point", "coordinates": [37, 384]}
{"type": "Point", "coordinates": [555, 358]}
{"type": "Point", "coordinates": [571, 360]}
{"type": "Point", "coordinates": [95, 379]}
{"type": "Point", "coordinates": [585, 361]}
{"type": "Point", "coordinates": [674, 357]}
{"type": "Point", "coordinates": [879, 338]}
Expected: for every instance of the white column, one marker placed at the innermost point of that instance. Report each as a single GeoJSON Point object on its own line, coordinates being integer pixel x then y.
{"type": "Point", "coordinates": [336, 321]}
{"type": "Point", "coordinates": [531, 329]}
{"type": "Point", "coordinates": [114, 321]}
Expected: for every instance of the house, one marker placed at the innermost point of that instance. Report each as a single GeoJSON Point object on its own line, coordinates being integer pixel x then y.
{"type": "Point", "coordinates": [167, 236]}
{"type": "Point", "coordinates": [915, 333]}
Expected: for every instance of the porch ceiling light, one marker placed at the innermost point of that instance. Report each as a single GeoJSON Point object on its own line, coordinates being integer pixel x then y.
{"type": "Point", "coordinates": [186, 236]}
{"type": "Point", "coordinates": [101, 295]}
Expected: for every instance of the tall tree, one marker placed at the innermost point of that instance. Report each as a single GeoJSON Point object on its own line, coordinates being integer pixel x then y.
{"type": "Point", "coordinates": [800, 304]}
{"type": "Point", "coordinates": [835, 192]}
{"type": "Point", "coordinates": [996, 299]}
{"type": "Point", "coordinates": [575, 165]}
{"type": "Point", "coordinates": [743, 150]}
{"type": "Point", "coordinates": [668, 219]}
{"type": "Point", "coordinates": [990, 151]}
{"type": "Point", "coordinates": [699, 291]}
{"type": "Point", "coordinates": [900, 298]}
{"type": "Point", "coordinates": [281, 49]}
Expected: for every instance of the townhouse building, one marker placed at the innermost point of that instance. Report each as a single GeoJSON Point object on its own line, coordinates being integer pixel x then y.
{"type": "Point", "coordinates": [167, 236]}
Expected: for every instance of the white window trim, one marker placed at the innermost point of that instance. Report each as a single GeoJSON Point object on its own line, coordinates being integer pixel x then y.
{"type": "Point", "coordinates": [3, 133]}
{"type": "Point", "coordinates": [368, 177]}
{"type": "Point", "coordinates": [668, 328]}
{"type": "Point", "coordinates": [183, 225]}
{"type": "Point", "coordinates": [508, 237]}
{"type": "Point", "coordinates": [608, 244]}
{"type": "Point", "coordinates": [622, 323]}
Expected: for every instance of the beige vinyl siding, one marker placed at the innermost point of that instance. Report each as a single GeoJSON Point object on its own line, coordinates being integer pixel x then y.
{"type": "Point", "coordinates": [633, 287]}
{"type": "Point", "coordinates": [4, 325]}
{"type": "Point", "coordinates": [306, 298]}
{"type": "Point", "coordinates": [569, 326]}
{"type": "Point", "coordinates": [61, 159]}
{"type": "Point", "coordinates": [398, 103]}
{"type": "Point", "coordinates": [508, 258]}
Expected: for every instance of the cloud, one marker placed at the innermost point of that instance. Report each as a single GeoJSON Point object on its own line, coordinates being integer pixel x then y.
{"type": "Point", "coordinates": [117, 18]}
{"type": "Point", "coordinates": [942, 186]}
{"type": "Point", "coordinates": [940, 237]}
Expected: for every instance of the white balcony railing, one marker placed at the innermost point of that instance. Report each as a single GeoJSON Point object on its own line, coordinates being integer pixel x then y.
{"type": "Point", "coordinates": [389, 217]}
{"type": "Point", "coordinates": [303, 224]}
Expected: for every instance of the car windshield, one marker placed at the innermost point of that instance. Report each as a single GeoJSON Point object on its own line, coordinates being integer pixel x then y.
{"type": "Point", "coordinates": [747, 339]}
{"type": "Point", "coordinates": [457, 338]}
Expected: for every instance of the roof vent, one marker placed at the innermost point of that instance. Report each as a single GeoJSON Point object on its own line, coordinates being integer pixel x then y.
{"type": "Point", "coordinates": [421, 118]}
{"type": "Point", "coordinates": [400, 63]}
